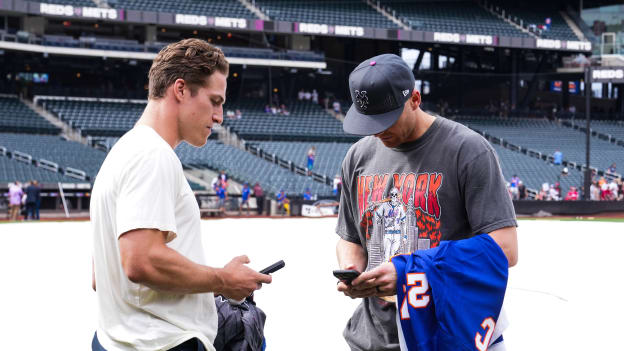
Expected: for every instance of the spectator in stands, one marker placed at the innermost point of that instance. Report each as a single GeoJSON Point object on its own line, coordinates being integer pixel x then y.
{"type": "Point", "coordinates": [621, 190]}
{"type": "Point", "coordinates": [244, 198]}
{"type": "Point", "coordinates": [315, 96]}
{"type": "Point", "coordinates": [558, 158]}
{"type": "Point", "coordinates": [15, 200]}
{"type": "Point", "coordinates": [572, 110]}
{"type": "Point", "coordinates": [221, 197]}
{"type": "Point", "coordinates": [553, 194]}
{"type": "Point", "coordinates": [310, 158]}
{"type": "Point", "coordinates": [259, 194]}
{"type": "Point", "coordinates": [154, 290]}
{"type": "Point", "coordinates": [230, 114]}
{"type": "Point", "coordinates": [522, 190]}
{"type": "Point", "coordinates": [513, 187]}
{"type": "Point", "coordinates": [307, 96]}
{"type": "Point", "coordinates": [223, 178]}
{"type": "Point", "coordinates": [284, 111]}
{"type": "Point", "coordinates": [267, 109]}
{"type": "Point", "coordinates": [238, 114]}
{"type": "Point", "coordinates": [276, 99]}
{"type": "Point", "coordinates": [336, 106]}
{"type": "Point", "coordinates": [274, 110]}
{"type": "Point", "coordinates": [301, 95]}
{"type": "Point", "coordinates": [613, 191]}
{"type": "Point", "coordinates": [283, 203]}
{"type": "Point", "coordinates": [612, 168]}
{"type": "Point", "coordinates": [572, 194]}
{"type": "Point", "coordinates": [543, 193]}
{"type": "Point", "coordinates": [337, 186]}
{"type": "Point", "coordinates": [604, 189]}
{"type": "Point", "coordinates": [594, 191]}
{"type": "Point", "coordinates": [307, 195]}
{"type": "Point", "coordinates": [33, 200]}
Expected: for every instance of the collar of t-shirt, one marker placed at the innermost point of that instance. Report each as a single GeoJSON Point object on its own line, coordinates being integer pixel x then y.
{"type": "Point", "coordinates": [411, 145]}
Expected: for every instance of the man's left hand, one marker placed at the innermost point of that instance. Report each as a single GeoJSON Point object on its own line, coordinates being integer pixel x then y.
{"type": "Point", "coordinates": [379, 282]}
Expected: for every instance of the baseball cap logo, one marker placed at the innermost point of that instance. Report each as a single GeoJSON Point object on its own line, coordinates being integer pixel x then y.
{"type": "Point", "coordinates": [405, 92]}
{"type": "Point", "coordinates": [361, 98]}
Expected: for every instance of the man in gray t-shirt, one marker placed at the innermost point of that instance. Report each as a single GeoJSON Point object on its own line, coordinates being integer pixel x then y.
{"type": "Point", "coordinates": [413, 181]}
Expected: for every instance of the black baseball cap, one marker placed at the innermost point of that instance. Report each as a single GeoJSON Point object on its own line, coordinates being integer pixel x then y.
{"type": "Point", "coordinates": [379, 88]}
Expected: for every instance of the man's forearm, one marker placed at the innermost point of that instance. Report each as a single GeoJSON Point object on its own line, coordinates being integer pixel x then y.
{"type": "Point", "coordinates": [349, 253]}
{"type": "Point", "coordinates": [164, 269]}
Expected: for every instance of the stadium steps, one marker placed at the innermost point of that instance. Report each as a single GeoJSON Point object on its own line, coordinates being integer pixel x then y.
{"type": "Point", "coordinates": [67, 131]}
{"type": "Point", "coordinates": [577, 31]}
{"type": "Point", "coordinates": [386, 14]}
{"type": "Point", "coordinates": [510, 22]}
{"type": "Point", "coordinates": [256, 11]}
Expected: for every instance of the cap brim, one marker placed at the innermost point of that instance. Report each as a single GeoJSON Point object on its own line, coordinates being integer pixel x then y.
{"type": "Point", "coordinates": [360, 124]}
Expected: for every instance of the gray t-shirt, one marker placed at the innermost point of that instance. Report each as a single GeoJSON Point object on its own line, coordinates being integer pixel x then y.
{"type": "Point", "coordinates": [446, 185]}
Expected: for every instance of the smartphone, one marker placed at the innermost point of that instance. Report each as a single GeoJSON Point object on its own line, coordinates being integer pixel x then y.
{"type": "Point", "coordinates": [346, 275]}
{"type": "Point", "coordinates": [274, 267]}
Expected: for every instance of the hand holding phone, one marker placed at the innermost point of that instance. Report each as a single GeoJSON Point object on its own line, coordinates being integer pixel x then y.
{"type": "Point", "coordinates": [346, 275]}
{"type": "Point", "coordinates": [274, 267]}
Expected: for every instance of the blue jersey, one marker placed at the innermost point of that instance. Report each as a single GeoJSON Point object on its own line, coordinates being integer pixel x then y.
{"type": "Point", "coordinates": [450, 297]}
{"type": "Point", "coordinates": [280, 197]}
{"type": "Point", "coordinates": [221, 192]}
{"type": "Point", "coordinates": [245, 193]}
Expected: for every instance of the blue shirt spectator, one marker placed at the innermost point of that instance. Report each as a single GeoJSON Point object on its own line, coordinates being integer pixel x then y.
{"type": "Point", "coordinates": [245, 192]}
{"type": "Point", "coordinates": [558, 156]}
{"type": "Point", "coordinates": [281, 196]}
{"type": "Point", "coordinates": [307, 195]}
{"type": "Point", "coordinates": [221, 192]}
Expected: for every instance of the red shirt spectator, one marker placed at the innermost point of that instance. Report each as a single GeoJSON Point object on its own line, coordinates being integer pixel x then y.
{"type": "Point", "coordinates": [572, 194]}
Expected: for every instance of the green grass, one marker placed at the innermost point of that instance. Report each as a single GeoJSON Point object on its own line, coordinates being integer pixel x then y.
{"type": "Point", "coordinates": [575, 219]}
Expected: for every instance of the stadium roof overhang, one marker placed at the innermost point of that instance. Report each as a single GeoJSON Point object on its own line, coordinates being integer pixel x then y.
{"type": "Point", "coordinates": [284, 27]}
{"type": "Point", "coordinates": [149, 56]}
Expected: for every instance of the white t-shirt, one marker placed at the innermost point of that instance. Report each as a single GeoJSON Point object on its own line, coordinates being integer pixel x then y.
{"type": "Point", "coordinates": [141, 185]}
{"type": "Point", "coordinates": [613, 188]}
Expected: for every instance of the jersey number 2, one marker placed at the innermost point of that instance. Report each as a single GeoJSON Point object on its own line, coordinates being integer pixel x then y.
{"type": "Point", "coordinates": [417, 286]}
{"type": "Point", "coordinates": [482, 342]}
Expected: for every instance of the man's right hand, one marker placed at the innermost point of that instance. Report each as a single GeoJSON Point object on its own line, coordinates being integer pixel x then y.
{"type": "Point", "coordinates": [239, 281]}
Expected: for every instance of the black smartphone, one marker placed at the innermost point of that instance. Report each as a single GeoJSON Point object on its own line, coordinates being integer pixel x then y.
{"type": "Point", "coordinates": [346, 275]}
{"type": "Point", "coordinates": [274, 267]}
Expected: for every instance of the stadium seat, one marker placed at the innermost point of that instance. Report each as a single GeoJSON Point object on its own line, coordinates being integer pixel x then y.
{"type": "Point", "coordinates": [15, 116]}
{"type": "Point", "coordinates": [245, 167]}
{"type": "Point", "coordinates": [455, 17]}
{"type": "Point", "coordinates": [53, 148]}
{"type": "Point", "coordinates": [547, 137]}
{"type": "Point", "coordinates": [346, 12]}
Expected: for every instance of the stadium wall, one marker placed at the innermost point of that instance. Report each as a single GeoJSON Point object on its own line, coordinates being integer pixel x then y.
{"type": "Point", "coordinates": [532, 207]}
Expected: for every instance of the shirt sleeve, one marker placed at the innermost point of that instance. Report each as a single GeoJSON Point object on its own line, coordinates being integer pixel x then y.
{"type": "Point", "coordinates": [147, 195]}
{"type": "Point", "coordinates": [487, 202]}
{"type": "Point", "coordinates": [347, 227]}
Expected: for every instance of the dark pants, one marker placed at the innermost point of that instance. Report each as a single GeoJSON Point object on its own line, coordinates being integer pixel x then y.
{"type": "Point", "coordinates": [31, 212]}
{"type": "Point", "coordinates": [190, 345]}
{"type": "Point", "coordinates": [260, 204]}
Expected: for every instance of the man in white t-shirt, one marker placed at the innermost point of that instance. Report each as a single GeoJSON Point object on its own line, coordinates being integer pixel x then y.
{"type": "Point", "coordinates": [154, 291]}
